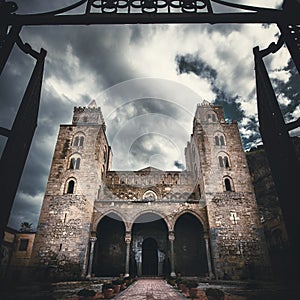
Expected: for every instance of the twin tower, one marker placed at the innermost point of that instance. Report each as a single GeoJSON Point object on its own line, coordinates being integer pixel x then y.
{"type": "Point", "coordinates": [98, 222]}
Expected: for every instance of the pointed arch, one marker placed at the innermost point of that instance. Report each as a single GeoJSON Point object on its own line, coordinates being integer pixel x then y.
{"type": "Point", "coordinates": [189, 246]}
{"type": "Point", "coordinates": [224, 160]}
{"type": "Point", "coordinates": [228, 184]}
{"type": "Point", "coordinates": [78, 139]}
{"type": "Point", "coordinates": [138, 217]}
{"type": "Point", "coordinates": [70, 185]}
{"type": "Point", "coordinates": [219, 138]}
{"type": "Point", "coordinates": [111, 213]}
{"type": "Point", "coordinates": [74, 161]}
{"type": "Point", "coordinates": [110, 247]}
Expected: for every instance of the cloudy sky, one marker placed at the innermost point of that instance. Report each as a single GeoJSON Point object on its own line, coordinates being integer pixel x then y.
{"type": "Point", "coordinates": [147, 79]}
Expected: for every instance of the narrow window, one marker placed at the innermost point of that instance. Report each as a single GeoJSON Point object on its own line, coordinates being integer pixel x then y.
{"type": "Point", "coordinates": [81, 140]}
{"type": "Point", "coordinates": [217, 140]}
{"type": "Point", "coordinates": [23, 244]}
{"type": "Point", "coordinates": [85, 119]}
{"type": "Point", "coordinates": [72, 163]}
{"type": "Point", "coordinates": [77, 164]}
{"type": "Point", "coordinates": [60, 247]}
{"type": "Point", "coordinates": [222, 141]}
{"type": "Point", "coordinates": [71, 185]}
{"type": "Point", "coordinates": [208, 117]}
{"type": "Point", "coordinates": [221, 161]}
{"type": "Point", "coordinates": [227, 185]}
{"type": "Point", "coordinates": [226, 162]}
{"type": "Point", "coordinates": [76, 140]}
{"type": "Point", "coordinates": [214, 119]}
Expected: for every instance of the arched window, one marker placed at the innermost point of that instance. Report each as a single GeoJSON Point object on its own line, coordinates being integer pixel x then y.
{"type": "Point", "coordinates": [71, 185]}
{"type": "Point", "coordinates": [224, 161]}
{"type": "Point", "coordinates": [217, 143]}
{"type": "Point", "coordinates": [76, 141]}
{"type": "Point", "coordinates": [222, 140]}
{"type": "Point", "coordinates": [219, 139]}
{"type": "Point", "coordinates": [211, 117]}
{"type": "Point", "coordinates": [77, 165]}
{"type": "Point", "coordinates": [228, 187]}
{"type": "Point", "coordinates": [72, 163]}
{"type": "Point", "coordinates": [81, 140]}
{"type": "Point", "coordinates": [221, 161]}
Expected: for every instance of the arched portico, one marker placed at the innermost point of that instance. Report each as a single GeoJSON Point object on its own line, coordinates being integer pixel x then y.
{"type": "Point", "coordinates": [190, 246]}
{"type": "Point", "coordinates": [149, 246]}
{"type": "Point", "coordinates": [110, 247]}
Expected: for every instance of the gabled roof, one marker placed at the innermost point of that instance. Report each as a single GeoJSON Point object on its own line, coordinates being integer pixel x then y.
{"type": "Point", "coordinates": [150, 169]}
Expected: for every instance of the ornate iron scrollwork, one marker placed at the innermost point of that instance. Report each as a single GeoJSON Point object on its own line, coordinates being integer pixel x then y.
{"type": "Point", "coordinates": [147, 6]}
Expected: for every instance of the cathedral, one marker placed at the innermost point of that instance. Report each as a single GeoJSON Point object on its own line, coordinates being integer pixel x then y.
{"type": "Point", "coordinates": [98, 222]}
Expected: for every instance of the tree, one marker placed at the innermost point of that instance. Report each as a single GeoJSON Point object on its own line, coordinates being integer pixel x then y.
{"type": "Point", "coordinates": [26, 227]}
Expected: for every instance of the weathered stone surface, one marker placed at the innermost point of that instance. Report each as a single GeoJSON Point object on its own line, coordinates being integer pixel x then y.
{"type": "Point", "coordinates": [214, 194]}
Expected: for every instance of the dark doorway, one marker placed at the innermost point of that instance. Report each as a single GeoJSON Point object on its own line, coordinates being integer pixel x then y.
{"type": "Point", "coordinates": [190, 252]}
{"type": "Point", "coordinates": [149, 246]}
{"type": "Point", "coordinates": [149, 257]}
{"type": "Point", "coordinates": [110, 248]}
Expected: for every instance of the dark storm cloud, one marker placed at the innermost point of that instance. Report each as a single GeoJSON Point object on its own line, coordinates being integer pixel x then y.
{"type": "Point", "coordinates": [290, 90]}
{"type": "Point", "coordinates": [193, 63]}
{"type": "Point", "coordinates": [179, 165]}
{"type": "Point", "coordinates": [253, 138]}
{"type": "Point", "coordinates": [230, 103]}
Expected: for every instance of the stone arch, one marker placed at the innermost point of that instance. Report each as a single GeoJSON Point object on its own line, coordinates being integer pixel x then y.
{"type": "Point", "coordinates": [111, 211]}
{"type": "Point", "coordinates": [211, 116]}
{"type": "Point", "coordinates": [224, 159]}
{"type": "Point", "coordinates": [149, 226]}
{"type": "Point", "coordinates": [192, 212]}
{"type": "Point", "coordinates": [74, 161]}
{"type": "Point", "coordinates": [78, 139]}
{"type": "Point", "coordinates": [228, 185]}
{"type": "Point", "coordinates": [189, 246]}
{"type": "Point", "coordinates": [70, 186]}
{"type": "Point", "coordinates": [219, 138]}
{"type": "Point", "coordinates": [150, 211]}
{"type": "Point", "coordinates": [150, 195]}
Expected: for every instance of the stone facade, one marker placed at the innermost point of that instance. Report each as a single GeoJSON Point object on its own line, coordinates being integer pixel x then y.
{"type": "Point", "coordinates": [202, 221]}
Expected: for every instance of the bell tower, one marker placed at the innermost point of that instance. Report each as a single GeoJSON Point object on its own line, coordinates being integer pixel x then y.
{"type": "Point", "coordinates": [81, 159]}
{"type": "Point", "coordinates": [216, 157]}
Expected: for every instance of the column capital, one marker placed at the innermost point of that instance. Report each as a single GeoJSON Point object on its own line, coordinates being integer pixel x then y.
{"type": "Point", "coordinates": [128, 237]}
{"type": "Point", "coordinates": [171, 235]}
{"type": "Point", "coordinates": [93, 239]}
{"type": "Point", "coordinates": [206, 235]}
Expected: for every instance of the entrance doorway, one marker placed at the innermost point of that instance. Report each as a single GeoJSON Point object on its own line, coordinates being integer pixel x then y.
{"type": "Point", "coordinates": [189, 246]}
{"type": "Point", "coordinates": [149, 257]}
{"type": "Point", "coordinates": [149, 246]}
{"type": "Point", "coordinates": [110, 248]}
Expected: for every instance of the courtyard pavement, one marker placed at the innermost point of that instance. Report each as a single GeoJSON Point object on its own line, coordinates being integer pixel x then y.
{"type": "Point", "coordinates": [150, 289]}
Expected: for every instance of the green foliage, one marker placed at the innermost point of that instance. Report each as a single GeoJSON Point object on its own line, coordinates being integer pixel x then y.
{"type": "Point", "coordinates": [26, 227]}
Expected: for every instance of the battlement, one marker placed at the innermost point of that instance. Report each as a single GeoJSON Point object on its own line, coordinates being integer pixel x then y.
{"type": "Point", "coordinates": [88, 115]}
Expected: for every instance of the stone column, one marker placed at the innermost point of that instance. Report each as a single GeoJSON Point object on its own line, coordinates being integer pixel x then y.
{"type": "Point", "coordinates": [211, 275]}
{"type": "Point", "coordinates": [171, 239]}
{"type": "Point", "coordinates": [127, 241]}
{"type": "Point", "coordinates": [93, 240]}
